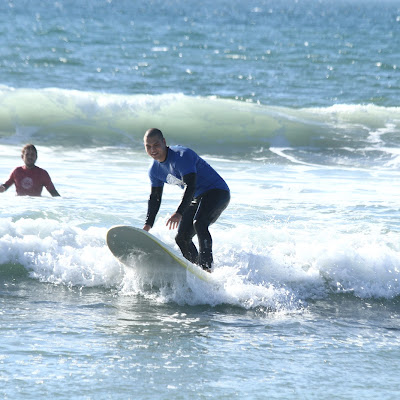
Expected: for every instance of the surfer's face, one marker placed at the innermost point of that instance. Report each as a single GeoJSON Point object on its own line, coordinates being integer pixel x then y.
{"type": "Point", "coordinates": [156, 147]}
{"type": "Point", "coordinates": [29, 157]}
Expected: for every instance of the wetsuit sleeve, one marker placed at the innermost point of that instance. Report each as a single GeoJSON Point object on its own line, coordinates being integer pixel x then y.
{"type": "Point", "coordinates": [153, 204]}
{"type": "Point", "coordinates": [190, 187]}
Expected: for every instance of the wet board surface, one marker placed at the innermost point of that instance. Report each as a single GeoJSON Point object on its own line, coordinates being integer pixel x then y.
{"type": "Point", "coordinates": [138, 249]}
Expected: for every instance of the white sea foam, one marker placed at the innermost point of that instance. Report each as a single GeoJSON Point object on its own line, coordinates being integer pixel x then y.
{"type": "Point", "coordinates": [291, 232]}
{"type": "Point", "coordinates": [272, 267]}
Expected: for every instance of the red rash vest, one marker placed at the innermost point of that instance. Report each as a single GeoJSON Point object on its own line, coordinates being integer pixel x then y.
{"type": "Point", "coordinates": [30, 182]}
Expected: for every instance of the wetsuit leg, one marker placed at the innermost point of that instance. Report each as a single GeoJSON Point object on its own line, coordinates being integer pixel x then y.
{"type": "Point", "coordinates": [186, 232]}
{"type": "Point", "coordinates": [211, 205]}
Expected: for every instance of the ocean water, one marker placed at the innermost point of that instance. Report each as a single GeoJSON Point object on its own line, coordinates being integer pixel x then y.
{"type": "Point", "coordinates": [296, 104]}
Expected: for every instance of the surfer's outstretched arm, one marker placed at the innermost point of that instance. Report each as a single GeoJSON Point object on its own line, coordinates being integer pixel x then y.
{"type": "Point", "coordinates": [189, 181]}
{"type": "Point", "coordinates": [153, 207]}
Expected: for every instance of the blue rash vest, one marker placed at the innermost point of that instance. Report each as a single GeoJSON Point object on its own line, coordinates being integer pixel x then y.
{"type": "Point", "coordinates": [181, 161]}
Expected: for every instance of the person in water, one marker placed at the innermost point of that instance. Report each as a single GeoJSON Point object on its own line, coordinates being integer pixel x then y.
{"type": "Point", "coordinates": [205, 195]}
{"type": "Point", "coordinates": [29, 179]}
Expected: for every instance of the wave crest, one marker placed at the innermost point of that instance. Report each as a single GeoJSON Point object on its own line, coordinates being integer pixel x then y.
{"type": "Point", "coordinates": [211, 125]}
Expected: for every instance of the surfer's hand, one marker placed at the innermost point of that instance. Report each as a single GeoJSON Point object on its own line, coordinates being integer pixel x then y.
{"type": "Point", "coordinates": [174, 221]}
{"type": "Point", "coordinates": [146, 228]}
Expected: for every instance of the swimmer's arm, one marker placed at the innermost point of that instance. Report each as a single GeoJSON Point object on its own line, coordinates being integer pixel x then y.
{"type": "Point", "coordinates": [4, 187]}
{"type": "Point", "coordinates": [54, 193]}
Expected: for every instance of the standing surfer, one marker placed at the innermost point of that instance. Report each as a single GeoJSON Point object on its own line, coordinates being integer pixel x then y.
{"type": "Point", "coordinates": [205, 197]}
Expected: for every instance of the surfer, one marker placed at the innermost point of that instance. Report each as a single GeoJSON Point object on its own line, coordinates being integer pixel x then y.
{"type": "Point", "coordinates": [29, 179]}
{"type": "Point", "coordinates": [205, 195]}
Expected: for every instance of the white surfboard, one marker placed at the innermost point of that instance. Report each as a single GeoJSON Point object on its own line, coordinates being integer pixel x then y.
{"type": "Point", "coordinates": [142, 251]}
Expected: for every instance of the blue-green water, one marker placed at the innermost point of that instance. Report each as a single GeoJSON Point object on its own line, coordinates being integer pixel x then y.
{"type": "Point", "coordinates": [290, 53]}
{"type": "Point", "coordinates": [296, 104]}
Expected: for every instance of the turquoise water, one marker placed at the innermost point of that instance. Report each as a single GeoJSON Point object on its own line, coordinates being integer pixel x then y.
{"type": "Point", "coordinates": [296, 104]}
